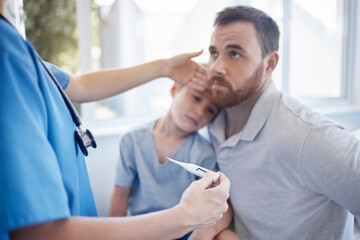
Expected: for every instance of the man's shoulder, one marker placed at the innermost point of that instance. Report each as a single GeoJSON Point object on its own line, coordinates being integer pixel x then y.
{"type": "Point", "coordinates": [290, 109]}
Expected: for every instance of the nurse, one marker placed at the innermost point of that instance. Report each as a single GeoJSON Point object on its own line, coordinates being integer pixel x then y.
{"type": "Point", "coordinates": [45, 191]}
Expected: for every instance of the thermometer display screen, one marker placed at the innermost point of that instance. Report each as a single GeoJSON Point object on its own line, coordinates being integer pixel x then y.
{"type": "Point", "coordinates": [201, 170]}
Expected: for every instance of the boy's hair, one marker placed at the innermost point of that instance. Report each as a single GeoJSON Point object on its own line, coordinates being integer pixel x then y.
{"type": "Point", "coordinates": [267, 30]}
{"type": "Point", "coordinates": [207, 93]}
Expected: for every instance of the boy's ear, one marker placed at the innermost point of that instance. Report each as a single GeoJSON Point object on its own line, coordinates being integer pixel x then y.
{"type": "Point", "coordinates": [173, 89]}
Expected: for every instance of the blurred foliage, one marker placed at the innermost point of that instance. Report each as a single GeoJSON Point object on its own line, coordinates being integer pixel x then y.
{"type": "Point", "coordinates": [51, 27]}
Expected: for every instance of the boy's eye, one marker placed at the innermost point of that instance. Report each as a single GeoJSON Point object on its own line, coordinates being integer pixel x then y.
{"type": "Point", "coordinates": [211, 110]}
{"type": "Point", "coordinates": [197, 98]}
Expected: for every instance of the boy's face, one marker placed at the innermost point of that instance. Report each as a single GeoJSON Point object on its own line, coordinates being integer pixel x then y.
{"type": "Point", "coordinates": [190, 109]}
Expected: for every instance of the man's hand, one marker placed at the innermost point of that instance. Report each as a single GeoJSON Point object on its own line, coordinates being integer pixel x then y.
{"type": "Point", "coordinates": [183, 70]}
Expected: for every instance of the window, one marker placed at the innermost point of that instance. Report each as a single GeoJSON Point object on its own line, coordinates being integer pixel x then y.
{"type": "Point", "coordinates": [320, 40]}
{"type": "Point", "coordinates": [315, 47]}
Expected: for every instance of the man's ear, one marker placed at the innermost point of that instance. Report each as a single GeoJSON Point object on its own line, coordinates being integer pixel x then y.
{"type": "Point", "coordinates": [272, 61]}
{"type": "Point", "coordinates": [174, 88]}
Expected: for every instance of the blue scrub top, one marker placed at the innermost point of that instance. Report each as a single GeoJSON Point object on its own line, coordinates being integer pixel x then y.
{"type": "Point", "coordinates": [43, 174]}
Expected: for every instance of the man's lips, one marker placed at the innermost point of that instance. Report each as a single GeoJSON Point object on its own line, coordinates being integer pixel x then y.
{"type": "Point", "coordinates": [218, 85]}
{"type": "Point", "coordinates": [218, 82]}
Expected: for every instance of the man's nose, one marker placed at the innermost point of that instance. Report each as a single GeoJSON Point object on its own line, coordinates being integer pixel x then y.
{"type": "Point", "coordinates": [218, 67]}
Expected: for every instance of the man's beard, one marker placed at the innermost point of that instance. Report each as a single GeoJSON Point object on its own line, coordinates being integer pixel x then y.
{"type": "Point", "coordinates": [225, 99]}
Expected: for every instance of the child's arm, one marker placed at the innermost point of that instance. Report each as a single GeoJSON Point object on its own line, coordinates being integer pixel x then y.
{"type": "Point", "coordinates": [227, 234]}
{"type": "Point", "coordinates": [209, 233]}
{"type": "Point", "coordinates": [119, 201]}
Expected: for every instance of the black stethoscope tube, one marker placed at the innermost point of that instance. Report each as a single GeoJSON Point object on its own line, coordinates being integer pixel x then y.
{"type": "Point", "coordinates": [83, 138]}
{"type": "Point", "coordinates": [73, 112]}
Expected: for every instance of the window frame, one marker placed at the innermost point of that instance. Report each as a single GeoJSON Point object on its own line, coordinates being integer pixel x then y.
{"type": "Point", "coordinates": [347, 100]}
{"type": "Point", "coordinates": [348, 59]}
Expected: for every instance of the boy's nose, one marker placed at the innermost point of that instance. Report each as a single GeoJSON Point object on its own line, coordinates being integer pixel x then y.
{"type": "Point", "coordinates": [200, 110]}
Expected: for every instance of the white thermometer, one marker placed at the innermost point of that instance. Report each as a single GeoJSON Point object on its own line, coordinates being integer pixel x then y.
{"type": "Point", "coordinates": [195, 169]}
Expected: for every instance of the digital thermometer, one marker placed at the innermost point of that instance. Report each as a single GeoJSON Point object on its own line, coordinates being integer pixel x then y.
{"type": "Point", "coordinates": [195, 169]}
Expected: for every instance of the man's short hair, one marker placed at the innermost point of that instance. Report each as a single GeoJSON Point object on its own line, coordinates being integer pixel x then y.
{"type": "Point", "coordinates": [267, 30]}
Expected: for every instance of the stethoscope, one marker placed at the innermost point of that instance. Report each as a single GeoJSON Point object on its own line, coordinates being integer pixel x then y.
{"type": "Point", "coordinates": [83, 138]}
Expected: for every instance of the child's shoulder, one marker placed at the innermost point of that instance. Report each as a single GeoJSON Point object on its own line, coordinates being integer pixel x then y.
{"type": "Point", "coordinates": [139, 131]}
{"type": "Point", "coordinates": [201, 151]}
{"type": "Point", "coordinates": [143, 127]}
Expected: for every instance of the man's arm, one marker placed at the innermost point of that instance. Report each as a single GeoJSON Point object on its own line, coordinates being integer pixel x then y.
{"type": "Point", "coordinates": [199, 207]}
{"type": "Point", "coordinates": [329, 164]}
{"type": "Point", "coordinates": [99, 85]}
{"type": "Point", "coordinates": [119, 201]}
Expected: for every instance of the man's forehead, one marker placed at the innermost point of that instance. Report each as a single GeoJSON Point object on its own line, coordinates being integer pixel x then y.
{"type": "Point", "coordinates": [238, 33]}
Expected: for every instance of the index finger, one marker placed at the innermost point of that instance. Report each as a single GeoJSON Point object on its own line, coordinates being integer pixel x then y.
{"type": "Point", "coordinates": [224, 183]}
{"type": "Point", "coordinates": [195, 54]}
{"type": "Point", "coordinates": [197, 86]}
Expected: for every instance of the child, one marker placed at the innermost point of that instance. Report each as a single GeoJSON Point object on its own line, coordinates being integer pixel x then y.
{"type": "Point", "coordinates": [145, 181]}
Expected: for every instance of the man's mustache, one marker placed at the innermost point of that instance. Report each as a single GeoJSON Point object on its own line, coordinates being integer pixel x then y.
{"type": "Point", "coordinates": [218, 80]}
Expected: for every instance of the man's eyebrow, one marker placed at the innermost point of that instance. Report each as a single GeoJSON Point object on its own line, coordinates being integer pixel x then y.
{"type": "Point", "coordinates": [231, 46]}
{"type": "Point", "coordinates": [235, 46]}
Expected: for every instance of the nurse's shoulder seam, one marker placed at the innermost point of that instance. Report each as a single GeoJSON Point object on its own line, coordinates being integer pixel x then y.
{"type": "Point", "coordinates": [13, 47]}
{"type": "Point", "coordinates": [10, 36]}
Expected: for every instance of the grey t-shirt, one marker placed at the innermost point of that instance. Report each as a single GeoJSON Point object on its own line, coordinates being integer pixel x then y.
{"type": "Point", "coordinates": [156, 186]}
{"type": "Point", "coordinates": [294, 174]}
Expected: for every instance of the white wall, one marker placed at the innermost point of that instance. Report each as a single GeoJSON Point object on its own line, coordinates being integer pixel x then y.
{"type": "Point", "coordinates": [101, 164]}
{"type": "Point", "coordinates": [13, 11]}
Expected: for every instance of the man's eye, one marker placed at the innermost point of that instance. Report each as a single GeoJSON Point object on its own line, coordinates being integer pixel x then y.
{"type": "Point", "coordinates": [214, 53]}
{"type": "Point", "coordinates": [235, 54]}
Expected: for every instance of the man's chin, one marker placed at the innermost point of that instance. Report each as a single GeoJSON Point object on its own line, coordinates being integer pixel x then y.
{"type": "Point", "coordinates": [222, 101]}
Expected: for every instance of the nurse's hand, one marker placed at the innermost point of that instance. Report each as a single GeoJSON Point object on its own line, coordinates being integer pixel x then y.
{"type": "Point", "coordinates": [204, 206]}
{"type": "Point", "coordinates": [183, 70]}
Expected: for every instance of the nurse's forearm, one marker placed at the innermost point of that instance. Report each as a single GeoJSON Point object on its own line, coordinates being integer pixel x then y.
{"type": "Point", "coordinates": [199, 207]}
{"type": "Point", "coordinates": [159, 225]}
{"type": "Point", "coordinates": [103, 84]}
